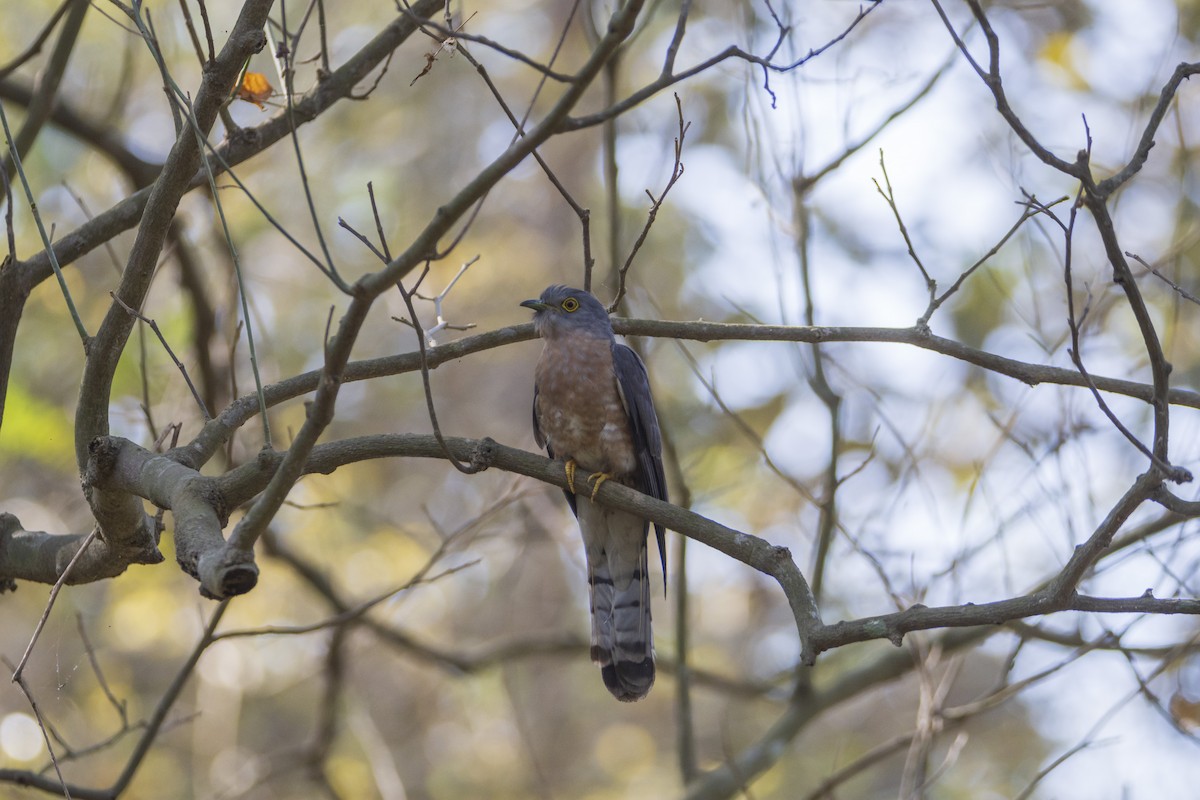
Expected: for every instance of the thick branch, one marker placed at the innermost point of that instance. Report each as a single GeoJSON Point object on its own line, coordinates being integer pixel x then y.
{"type": "Point", "coordinates": [1031, 374]}
{"type": "Point", "coordinates": [42, 557]}
{"type": "Point", "coordinates": [14, 291]}
{"type": "Point", "coordinates": [243, 483]}
{"type": "Point", "coordinates": [216, 432]}
{"type": "Point", "coordinates": [197, 507]}
{"type": "Point", "coordinates": [119, 514]}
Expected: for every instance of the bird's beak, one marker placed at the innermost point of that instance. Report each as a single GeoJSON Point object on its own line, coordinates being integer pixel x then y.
{"type": "Point", "coordinates": [535, 305]}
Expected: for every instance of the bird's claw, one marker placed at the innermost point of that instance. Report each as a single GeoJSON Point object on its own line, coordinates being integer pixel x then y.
{"type": "Point", "coordinates": [599, 478]}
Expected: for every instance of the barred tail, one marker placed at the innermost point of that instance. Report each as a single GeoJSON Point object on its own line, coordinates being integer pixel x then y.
{"type": "Point", "coordinates": [622, 643]}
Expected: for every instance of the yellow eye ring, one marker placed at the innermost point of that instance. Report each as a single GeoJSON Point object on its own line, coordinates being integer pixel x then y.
{"type": "Point", "coordinates": [570, 304]}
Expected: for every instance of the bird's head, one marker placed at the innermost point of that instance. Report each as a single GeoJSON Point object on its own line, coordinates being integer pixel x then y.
{"type": "Point", "coordinates": [562, 310]}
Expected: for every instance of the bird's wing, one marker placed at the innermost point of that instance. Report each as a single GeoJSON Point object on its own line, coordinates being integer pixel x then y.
{"type": "Point", "coordinates": [633, 385]}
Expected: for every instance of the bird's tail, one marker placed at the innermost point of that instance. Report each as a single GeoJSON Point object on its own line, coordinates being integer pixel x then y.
{"type": "Point", "coordinates": [622, 643]}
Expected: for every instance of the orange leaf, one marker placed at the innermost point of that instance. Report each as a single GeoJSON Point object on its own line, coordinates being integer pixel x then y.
{"type": "Point", "coordinates": [1186, 712]}
{"type": "Point", "coordinates": [255, 88]}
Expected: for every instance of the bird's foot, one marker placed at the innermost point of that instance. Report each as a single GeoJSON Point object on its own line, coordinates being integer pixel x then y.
{"type": "Point", "coordinates": [570, 468]}
{"type": "Point", "coordinates": [599, 478]}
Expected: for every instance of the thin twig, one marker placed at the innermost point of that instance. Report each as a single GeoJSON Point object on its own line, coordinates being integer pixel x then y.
{"type": "Point", "coordinates": [120, 706]}
{"type": "Point", "coordinates": [387, 254]}
{"type": "Point", "coordinates": [465, 468]}
{"type": "Point", "coordinates": [163, 340]}
{"type": "Point", "coordinates": [9, 230]}
{"type": "Point", "coordinates": [655, 205]}
{"type": "Point", "coordinates": [582, 213]}
{"type": "Point", "coordinates": [49, 79]}
{"type": "Point", "coordinates": [42, 725]}
{"type": "Point", "coordinates": [350, 614]}
{"type": "Point", "coordinates": [440, 33]}
{"type": "Point", "coordinates": [62, 581]}
{"type": "Point", "coordinates": [880, 752]}
{"type": "Point", "coordinates": [157, 719]}
{"type": "Point", "coordinates": [35, 46]}
{"type": "Point", "coordinates": [150, 36]}
{"type": "Point", "coordinates": [438, 300]}
{"type": "Point", "coordinates": [287, 77]}
{"type": "Point", "coordinates": [1031, 209]}
{"type": "Point", "coordinates": [667, 79]}
{"type": "Point", "coordinates": [191, 29]}
{"type": "Point", "coordinates": [1184, 293]}
{"type": "Point", "coordinates": [37, 218]}
{"type": "Point", "coordinates": [991, 78]}
{"type": "Point", "coordinates": [890, 197]}
{"type": "Point", "coordinates": [827, 511]}
{"type": "Point", "coordinates": [362, 238]}
{"type": "Point", "coordinates": [241, 284]}
{"type": "Point", "coordinates": [1075, 352]}
{"type": "Point", "coordinates": [208, 37]}
{"type": "Point", "coordinates": [608, 142]}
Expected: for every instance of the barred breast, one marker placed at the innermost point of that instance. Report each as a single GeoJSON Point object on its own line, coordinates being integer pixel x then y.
{"type": "Point", "coordinates": [579, 408]}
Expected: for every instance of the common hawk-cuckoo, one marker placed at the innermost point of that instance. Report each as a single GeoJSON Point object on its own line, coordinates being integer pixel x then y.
{"type": "Point", "coordinates": [592, 409]}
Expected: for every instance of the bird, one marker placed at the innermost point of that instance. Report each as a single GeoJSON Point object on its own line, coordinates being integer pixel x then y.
{"type": "Point", "coordinates": [592, 409]}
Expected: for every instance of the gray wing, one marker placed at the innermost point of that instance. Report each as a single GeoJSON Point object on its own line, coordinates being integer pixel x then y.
{"type": "Point", "coordinates": [633, 384]}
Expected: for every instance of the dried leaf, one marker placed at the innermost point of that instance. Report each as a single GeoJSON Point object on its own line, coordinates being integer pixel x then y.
{"type": "Point", "coordinates": [450, 44]}
{"type": "Point", "coordinates": [1185, 712]}
{"type": "Point", "coordinates": [255, 89]}
{"type": "Point", "coordinates": [429, 59]}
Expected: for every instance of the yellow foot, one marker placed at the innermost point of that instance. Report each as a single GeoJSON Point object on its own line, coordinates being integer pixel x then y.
{"type": "Point", "coordinates": [599, 478]}
{"type": "Point", "coordinates": [570, 468]}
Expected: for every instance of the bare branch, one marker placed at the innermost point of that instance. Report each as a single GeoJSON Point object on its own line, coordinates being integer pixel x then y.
{"type": "Point", "coordinates": [655, 205]}
{"type": "Point", "coordinates": [163, 340]}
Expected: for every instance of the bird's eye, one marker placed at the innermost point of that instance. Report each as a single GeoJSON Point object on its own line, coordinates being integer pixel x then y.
{"type": "Point", "coordinates": [570, 304]}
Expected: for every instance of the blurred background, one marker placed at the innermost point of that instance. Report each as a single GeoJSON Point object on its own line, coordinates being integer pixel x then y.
{"type": "Point", "coordinates": [953, 484]}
